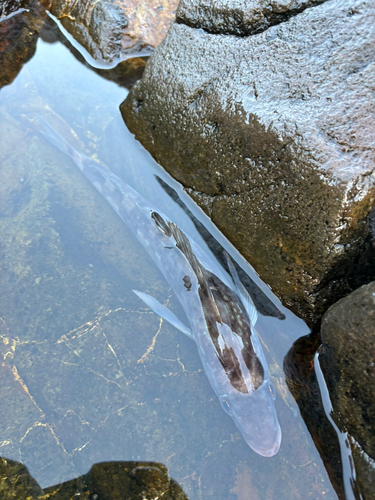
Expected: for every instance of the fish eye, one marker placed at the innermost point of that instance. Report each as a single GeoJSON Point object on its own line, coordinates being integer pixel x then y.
{"type": "Point", "coordinates": [225, 405]}
{"type": "Point", "coordinates": [272, 390]}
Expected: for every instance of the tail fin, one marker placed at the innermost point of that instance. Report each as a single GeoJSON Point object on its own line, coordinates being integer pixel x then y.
{"type": "Point", "coordinates": [56, 139]}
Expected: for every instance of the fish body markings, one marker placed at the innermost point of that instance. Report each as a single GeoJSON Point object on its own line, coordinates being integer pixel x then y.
{"type": "Point", "coordinates": [220, 323]}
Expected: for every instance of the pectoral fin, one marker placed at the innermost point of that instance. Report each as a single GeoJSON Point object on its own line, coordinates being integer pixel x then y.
{"type": "Point", "coordinates": [165, 313]}
{"type": "Point", "coordinates": [242, 292]}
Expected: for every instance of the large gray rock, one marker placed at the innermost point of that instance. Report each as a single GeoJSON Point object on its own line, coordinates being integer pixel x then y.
{"type": "Point", "coordinates": [273, 135]}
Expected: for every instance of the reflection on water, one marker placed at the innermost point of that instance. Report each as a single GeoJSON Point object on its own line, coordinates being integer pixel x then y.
{"type": "Point", "coordinates": [88, 373]}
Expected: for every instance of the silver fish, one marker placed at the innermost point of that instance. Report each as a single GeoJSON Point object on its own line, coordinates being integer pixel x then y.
{"type": "Point", "coordinates": [220, 311]}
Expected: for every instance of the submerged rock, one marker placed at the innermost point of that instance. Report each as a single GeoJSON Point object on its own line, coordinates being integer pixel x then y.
{"type": "Point", "coordinates": [272, 135]}
{"type": "Point", "coordinates": [104, 481]}
{"type": "Point", "coordinates": [111, 31]}
{"type": "Point", "coordinates": [348, 363]}
{"type": "Point", "coordinates": [302, 382]}
{"type": "Point", "coordinates": [16, 481]}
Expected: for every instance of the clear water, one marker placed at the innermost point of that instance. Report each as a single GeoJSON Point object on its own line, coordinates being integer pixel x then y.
{"type": "Point", "coordinates": [89, 374]}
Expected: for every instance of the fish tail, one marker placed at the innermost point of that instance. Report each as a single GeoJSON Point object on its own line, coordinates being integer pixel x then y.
{"type": "Point", "coordinates": [57, 140]}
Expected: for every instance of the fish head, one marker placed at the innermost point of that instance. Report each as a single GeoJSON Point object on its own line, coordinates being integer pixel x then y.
{"type": "Point", "coordinates": [255, 416]}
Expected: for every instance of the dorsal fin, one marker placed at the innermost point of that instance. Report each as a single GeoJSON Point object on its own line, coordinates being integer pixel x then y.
{"type": "Point", "coordinates": [242, 292]}
{"type": "Point", "coordinates": [183, 244]}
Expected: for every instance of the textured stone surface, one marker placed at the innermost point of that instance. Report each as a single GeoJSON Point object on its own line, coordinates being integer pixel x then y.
{"type": "Point", "coordinates": [18, 36]}
{"type": "Point", "coordinates": [105, 481]}
{"type": "Point", "coordinates": [16, 482]}
{"type": "Point", "coordinates": [112, 30]}
{"type": "Point", "coordinates": [239, 17]}
{"type": "Point", "coordinates": [273, 134]}
{"type": "Point", "coordinates": [7, 7]}
{"type": "Point", "coordinates": [348, 362]}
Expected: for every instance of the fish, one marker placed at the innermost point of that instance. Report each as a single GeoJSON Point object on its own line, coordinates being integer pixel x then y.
{"type": "Point", "coordinates": [261, 301]}
{"type": "Point", "coordinates": [220, 311]}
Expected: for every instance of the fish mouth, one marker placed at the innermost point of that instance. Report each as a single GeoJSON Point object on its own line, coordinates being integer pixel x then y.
{"type": "Point", "coordinates": [270, 451]}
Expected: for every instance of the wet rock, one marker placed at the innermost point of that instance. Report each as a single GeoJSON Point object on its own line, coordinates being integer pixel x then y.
{"type": "Point", "coordinates": [365, 470]}
{"type": "Point", "coordinates": [124, 74]}
{"type": "Point", "coordinates": [132, 480]}
{"type": "Point", "coordinates": [239, 17]}
{"type": "Point", "coordinates": [7, 7]}
{"type": "Point", "coordinates": [111, 31]}
{"type": "Point", "coordinates": [97, 26]}
{"type": "Point", "coordinates": [104, 481]}
{"type": "Point", "coordinates": [302, 382]}
{"type": "Point", "coordinates": [18, 37]}
{"type": "Point", "coordinates": [348, 363]}
{"type": "Point", "coordinates": [16, 481]}
{"type": "Point", "coordinates": [273, 135]}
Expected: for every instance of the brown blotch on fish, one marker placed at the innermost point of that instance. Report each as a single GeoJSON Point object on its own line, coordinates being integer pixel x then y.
{"type": "Point", "coordinates": [187, 283]}
{"type": "Point", "coordinates": [231, 365]}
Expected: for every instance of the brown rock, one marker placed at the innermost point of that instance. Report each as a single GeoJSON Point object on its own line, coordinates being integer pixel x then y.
{"type": "Point", "coordinates": [113, 30]}
{"type": "Point", "coordinates": [348, 362]}
{"type": "Point", "coordinates": [18, 36]}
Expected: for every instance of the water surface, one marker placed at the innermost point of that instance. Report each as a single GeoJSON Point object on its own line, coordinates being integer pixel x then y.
{"type": "Point", "coordinates": [89, 373]}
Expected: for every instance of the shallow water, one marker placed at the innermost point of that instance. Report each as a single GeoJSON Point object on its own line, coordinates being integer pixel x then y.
{"type": "Point", "coordinates": [89, 373]}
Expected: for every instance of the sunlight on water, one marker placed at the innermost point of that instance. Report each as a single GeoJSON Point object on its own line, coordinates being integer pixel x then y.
{"type": "Point", "coordinates": [91, 373]}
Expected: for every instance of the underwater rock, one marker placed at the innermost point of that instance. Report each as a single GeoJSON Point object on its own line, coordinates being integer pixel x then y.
{"type": "Point", "coordinates": [133, 481]}
{"type": "Point", "coordinates": [104, 481]}
{"type": "Point", "coordinates": [272, 135]}
{"type": "Point", "coordinates": [16, 482]}
{"type": "Point", "coordinates": [302, 382]}
{"type": "Point", "coordinates": [112, 31]}
{"type": "Point", "coordinates": [348, 364]}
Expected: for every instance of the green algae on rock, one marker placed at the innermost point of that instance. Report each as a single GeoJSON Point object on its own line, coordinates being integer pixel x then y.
{"type": "Point", "coordinates": [16, 482]}
{"type": "Point", "coordinates": [273, 136]}
{"type": "Point", "coordinates": [105, 481]}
